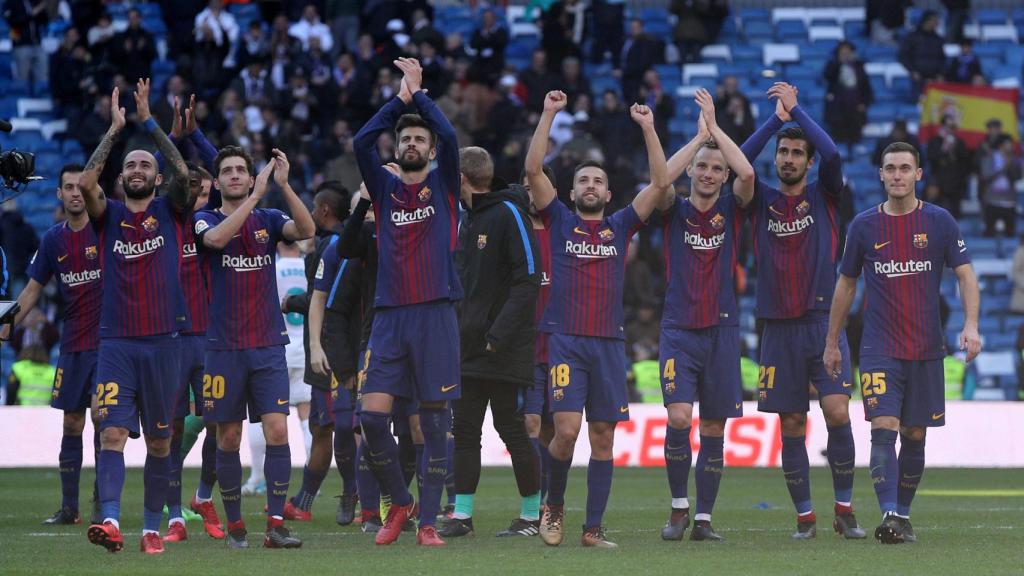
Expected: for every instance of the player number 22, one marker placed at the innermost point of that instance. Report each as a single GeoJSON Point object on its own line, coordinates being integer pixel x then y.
{"type": "Point", "coordinates": [560, 375]}
{"type": "Point", "coordinates": [872, 383]}
{"type": "Point", "coordinates": [213, 386]}
{"type": "Point", "coordinates": [766, 377]}
{"type": "Point", "coordinates": [106, 394]}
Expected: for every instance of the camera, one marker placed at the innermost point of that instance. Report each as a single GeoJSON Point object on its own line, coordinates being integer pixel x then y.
{"type": "Point", "coordinates": [16, 167]}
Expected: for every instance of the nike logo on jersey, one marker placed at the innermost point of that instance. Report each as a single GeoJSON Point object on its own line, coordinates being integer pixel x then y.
{"type": "Point", "coordinates": [882, 245]}
{"type": "Point", "coordinates": [938, 416]}
{"type": "Point", "coordinates": [579, 230]}
{"type": "Point", "coordinates": [623, 409]}
{"type": "Point", "coordinates": [127, 225]}
{"type": "Point", "coordinates": [282, 402]}
{"type": "Point", "coordinates": [847, 385]}
{"type": "Point", "coordinates": [62, 258]}
{"type": "Point", "coordinates": [162, 426]}
{"type": "Point", "coordinates": [448, 388]}
{"type": "Point", "coordinates": [739, 405]}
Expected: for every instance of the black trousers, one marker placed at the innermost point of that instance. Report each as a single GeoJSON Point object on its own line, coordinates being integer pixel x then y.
{"type": "Point", "coordinates": [468, 414]}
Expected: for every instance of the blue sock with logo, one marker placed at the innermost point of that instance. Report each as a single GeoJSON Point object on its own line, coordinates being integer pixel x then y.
{"type": "Point", "coordinates": [797, 470]}
{"type": "Point", "coordinates": [367, 487]}
{"type": "Point", "coordinates": [155, 482]}
{"type": "Point", "coordinates": [678, 459]}
{"type": "Point", "coordinates": [382, 456]}
{"type": "Point", "coordinates": [599, 487]}
{"type": "Point", "coordinates": [421, 465]}
{"type": "Point", "coordinates": [70, 462]}
{"type": "Point", "coordinates": [435, 423]}
{"type": "Point", "coordinates": [449, 479]}
{"type": "Point", "coordinates": [110, 475]}
{"type": "Point", "coordinates": [174, 479]}
{"type": "Point", "coordinates": [558, 480]}
{"type": "Point", "coordinates": [311, 481]}
{"type": "Point", "coordinates": [884, 468]}
{"type": "Point", "coordinates": [710, 461]}
{"type": "Point", "coordinates": [911, 465]}
{"type": "Point", "coordinates": [841, 455]}
{"type": "Point", "coordinates": [277, 468]}
{"type": "Point", "coordinates": [208, 472]}
{"type": "Point", "coordinates": [229, 476]}
{"type": "Point", "coordinates": [345, 451]}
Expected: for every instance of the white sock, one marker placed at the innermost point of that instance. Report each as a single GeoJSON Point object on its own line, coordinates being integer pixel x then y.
{"type": "Point", "coordinates": [112, 521]}
{"type": "Point", "coordinates": [307, 437]}
{"type": "Point", "coordinates": [680, 503]}
{"type": "Point", "coordinates": [201, 500]}
{"type": "Point", "coordinates": [702, 518]}
{"type": "Point", "coordinates": [144, 532]}
{"type": "Point", "coordinates": [258, 448]}
{"type": "Point", "coordinates": [173, 520]}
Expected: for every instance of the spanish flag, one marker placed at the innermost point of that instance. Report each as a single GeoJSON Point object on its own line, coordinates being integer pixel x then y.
{"type": "Point", "coordinates": [972, 106]}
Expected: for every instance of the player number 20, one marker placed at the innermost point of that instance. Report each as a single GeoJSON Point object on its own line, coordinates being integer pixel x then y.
{"type": "Point", "coordinates": [766, 377]}
{"type": "Point", "coordinates": [560, 375]}
{"type": "Point", "coordinates": [872, 383]}
{"type": "Point", "coordinates": [106, 394]}
{"type": "Point", "coordinates": [213, 386]}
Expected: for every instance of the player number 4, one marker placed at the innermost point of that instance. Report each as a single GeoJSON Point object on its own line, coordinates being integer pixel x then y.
{"type": "Point", "coordinates": [872, 383]}
{"type": "Point", "coordinates": [669, 372]}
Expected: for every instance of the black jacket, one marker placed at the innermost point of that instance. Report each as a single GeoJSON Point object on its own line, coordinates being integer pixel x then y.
{"type": "Point", "coordinates": [501, 277]}
{"type": "Point", "coordinates": [343, 313]}
{"type": "Point", "coordinates": [359, 240]}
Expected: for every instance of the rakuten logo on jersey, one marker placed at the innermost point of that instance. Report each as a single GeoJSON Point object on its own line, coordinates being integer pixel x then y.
{"type": "Point", "coordinates": [245, 263]}
{"type": "Point", "coordinates": [406, 217]}
{"type": "Point", "coordinates": [588, 250]}
{"type": "Point", "coordinates": [698, 242]}
{"type": "Point", "coordinates": [782, 229]}
{"type": "Point", "coordinates": [132, 250]}
{"type": "Point", "coordinates": [894, 269]}
{"type": "Point", "coordinates": [71, 279]}
{"type": "Point", "coordinates": [189, 250]}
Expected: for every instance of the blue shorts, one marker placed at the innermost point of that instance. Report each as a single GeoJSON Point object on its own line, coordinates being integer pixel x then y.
{"type": "Point", "coordinates": [537, 395]}
{"type": "Point", "coordinates": [791, 363]}
{"type": "Point", "coordinates": [138, 378]}
{"type": "Point", "coordinates": [236, 382]}
{"type": "Point", "coordinates": [75, 381]}
{"type": "Point", "coordinates": [321, 411]}
{"type": "Point", "coordinates": [193, 352]}
{"type": "Point", "coordinates": [912, 390]}
{"type": "Point", "coordinates": [589, 372]}
{"type": "Point", "coordinates": [702, 366]}
{"type": "Point", "coordinates": [414, 353]}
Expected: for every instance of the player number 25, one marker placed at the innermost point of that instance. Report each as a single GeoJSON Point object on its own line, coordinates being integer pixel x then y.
{"type": "Point", "coordinates": [766, 377]}
{"type": "Point", "coordinates": [106, 394]}
{"type": "Point", "coordinates": [872, 383]}
{"type": "Point", "coordinates": [560, 375]}
{"type": "Point", "coordinates": [213, 386]}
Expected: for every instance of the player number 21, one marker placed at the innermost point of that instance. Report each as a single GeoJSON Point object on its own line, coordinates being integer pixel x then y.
{"type": "Point", "coordinates": [766, 377]}
{"type": "Point", "coordinates": [560, 375]}
{"type": "Point", "coordinates": [106, 394]}
{"type": "Point", "coordinates": [213, 386]}
{"type": "Point", "coordinates": [872, 383]}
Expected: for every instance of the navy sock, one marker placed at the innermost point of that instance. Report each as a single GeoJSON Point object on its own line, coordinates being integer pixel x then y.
{"type": "Point", "coordinates": [409, 458]}
{"type": "Point", "coordinates": [174, 479]}
{"type": "Point", "coordinates": [678, 459]}
{"type": "Point", "coordinates": [797, 471]}
{"type": "Point", "coordinates": [277, 469]}
{"type": "Point", "coordinates": [311, 481]}
{"type": "Point", "coordinates": [155, 481]}
{"type": "Point", "coordinates": [421, 465]}
{"type": "Point", "coordinates": [110, 476]}
{"type": "Point", "coordinates": [559, 477]}
{"type": "Point", "coordinates": [436, 424]}
{"type": "Point", "coordinates": [544, 465]}
{"type": "Point", "coordinates": [208, 472]}
{"type": "Point", "coordinates": [345, 455]}
{"type": "Point", "coordinates": [96, 458]}
{"type": "Point", "coordinates": [229, 476]}
{"type": "Point", "coordinates": [368, 489]}
{"type": "Point", "coordinates": [599, 486]}
{"type": "Point", "coordinates": [841, 454]}
{"type": "Point", "coordinates": [710, 462]}
{"type": "Point", "coordinates": [382, 456]}
{"type": "Point", "coordinates": [884, 468]}
{"type": "Point", "coordinates": [911, 466]}
{"type": "Point", "coordinates": [70, 460]}
{"type": "Point", "coordinates": [449, 478]}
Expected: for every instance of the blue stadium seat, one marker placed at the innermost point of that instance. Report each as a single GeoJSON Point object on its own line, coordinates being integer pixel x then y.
{"type": "Point", "coordinates": [251, 10]}
{"type": "Point", "coordinates": [991, 16]}
{"type": "Point", "coordinates": [659, 29]}
{"type": "Point", "coordinates": [883, 112]}
{"type": "Point", "coordinates": [854, 28]}
{"type": "Point", "coordinates": [989, 51]}
{"type": "Point", "coordinates": [149, 10]}
{"type": "Point", "coordinates": [748, 55]}
{"type": "Point", "coordinates": [875, 53]}
{"type": "Point", "coordinates": [754, 14]}
{"type": "Point", "coordinates": [757, 31]}
{"type": "Point", "coordinates": [522, 47]}
{"type": "Point", "coordinates": [154, 26]}
{"type": "Point", "coordinates": [790, 31]}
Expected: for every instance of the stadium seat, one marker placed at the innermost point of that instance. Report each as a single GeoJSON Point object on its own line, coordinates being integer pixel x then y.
{"type": "Point", "coordinates": [754, 15]}
{"type": "Point", "coordinates": [54, 127]}
{"type": "Point", "coordinates": [758, 32]}
{"type": "Point", "coordinates": [790, 30]}
{"type": "Point", "coordinates": [26, 125]}
{"type": "Point", "coordinates": [716, 52]}
{"type": "Point", "coordinates": [825, 34]}
{"type": "Point", "coordinates": [999, 33]}
{"type": "Point", "coordinates": [748, 55]}
{"type": "Point", "coordinates": [784, 14]}
{"type": "Point", "coordinates": [28, 106]}
{"type": "Point", "coordinates": [991, 16]}
{"type": "Point", "coordinates": [780, 54]}
{"type": "Point", "coordinates": [691, 71]}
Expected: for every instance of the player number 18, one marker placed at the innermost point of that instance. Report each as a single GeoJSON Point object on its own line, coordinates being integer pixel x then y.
{"type": "Point", "coordinates": [560, 375]}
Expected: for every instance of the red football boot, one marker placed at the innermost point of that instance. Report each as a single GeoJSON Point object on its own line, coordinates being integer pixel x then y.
{"type": "Point", "coordinates": [293, 513]}
{"type": "Point", "coordinates": [151, 543]}
{"type": "Point", "coordinates": [211, 522]}
{"type": "Point", "coordinates": [397, 516]}
{"type": "Point", "coordinates": [176, 532]}
{"type": "Point", "coordinates": [107, 535]}
{"type": "Point", "coordinates": [427, 536]}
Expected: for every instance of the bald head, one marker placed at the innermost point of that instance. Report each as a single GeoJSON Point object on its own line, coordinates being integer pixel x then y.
{"type": "Point", "coordinates": [139, 174]}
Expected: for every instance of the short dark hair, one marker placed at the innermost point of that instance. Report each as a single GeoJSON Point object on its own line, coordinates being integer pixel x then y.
{"type": "Point", "coordinates": [902, 147]}
{"type": "Point", "coordinates": [588, 164]}
{"type": "Point", "coordinates": [203, 173]}
{"type": "Point", "coordinates": [336, 196]}
{"type": "Point", "coordinates": [794, 133]}
{"type": "Point", "coordinates": [232, 151]}
{"type": "Point", "coordinates": [548, 171]}
{"type": "Point", "coordinates": [72, 167]}
{"type": "Point", "coordinates": [414, 121]}
{"type": "Point", "coordinates": [477, 166]}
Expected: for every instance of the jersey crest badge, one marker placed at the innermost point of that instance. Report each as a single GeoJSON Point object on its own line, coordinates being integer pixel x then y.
{"type": "Point", "coordinates": [91, 253]}
{"type": "Point", "coordinates": [261, 236]}
{"type": "Point", "coordinates": [150, 224]}
{"type": "Point", "coordinates": [424, 194]}
{"type": "Point", "coordinates": [920, 240]}
{"type": "Point", "coordinates": [481, 241]}
{"type": "Point", "coordinates": [606, 235]}
{"type": "Point", "coordinates": [557, 394]}
{"type": "Point", "coordinates": [803, 207]}
{"type": "Point", "coordinates": [670, 387]}
{"type": "Point", "coordinates": [718, 221]}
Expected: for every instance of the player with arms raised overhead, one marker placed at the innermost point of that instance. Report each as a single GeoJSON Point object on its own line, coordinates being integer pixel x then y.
{"type": "Point", "coordinates": [413, 351]}
{"type": "Point", "coordinates": [245, 366]}
{"type": "Point", "coordinates": [902, 246]}
{"type": "Point", "coordinates": [138, 370]}
{"type": "Point", "coordinates": [584, 316]}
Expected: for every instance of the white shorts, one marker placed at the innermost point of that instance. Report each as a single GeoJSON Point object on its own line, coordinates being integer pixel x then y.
{"type": "Point", "coordinates": [298, 391]}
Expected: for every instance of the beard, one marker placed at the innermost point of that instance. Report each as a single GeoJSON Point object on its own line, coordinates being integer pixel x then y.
{"type": "Point", "coordinates": [141, 193]}
{"type": "Point", "coordinates": [794, 178]}
{"type": "Point", "coordinates": [586, 206]}
{"type": "Point", "coordinates": [415, 163]}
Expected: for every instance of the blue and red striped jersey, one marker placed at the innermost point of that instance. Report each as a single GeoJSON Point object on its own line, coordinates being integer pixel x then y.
{"type": "Point", "coordinates": [193, 279]}
{"type": "Point", "coordinates": [588, 264]}
{"type": "Point", "coordinates": [417, 224]}
{"type": "Point", "coordinates": [700, 258]}
{"type": "Point", "coordinates": [543, 236]}
{"type": "Point", "coordinates": [244, 309]}
{"type": "Point", "coordinates": [902, 258]}
{"type": "Point", "coordinates": [74, 258]}
{"type": "Point", "coordinates": [140, 258]}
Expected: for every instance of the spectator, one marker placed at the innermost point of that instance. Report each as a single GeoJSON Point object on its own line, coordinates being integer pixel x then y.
{"type": "Point", "coordinates": [573, 82]}
{"type": "Point", "coordinates": [423, 30]}
{"type": "Point", "coordinates": [19, 242]}
{"type": "Point", "coordinates": [697, 24]}
{"type": "Point", "coordinates": [218, 31]}
{"type": "Point", "coordinates": [100, 37]}
{"type": "Point", "coordinates": [435, 77]}
{"type": "Point", "coordinates": [253, 84]}
{"type": "Point", "coordinates": [1017, 299]}
{"type": "Point", "coordinates": [1000, 171]}
{"type": "Point", "coordinates": [949, 164]}
{"type": "Point", "coordinates": [211, 52]}
{"type": "Point", "coordinates": [964, 67]}
{"type": "Point", "coordinates": [848, 95]}
{"type": "Point", "coordinates": [957, 12]}
{"type": "Point", "coordinates": [885, 18]}
{"type": "Point", "coordinates": [537, 81]}
{"type": "Point", "coordinates": [344, 168]}
{"type": "Point", "coordinates": [310, 26]}
{"type": "Point", "coordinates": [561, 31]}
{"type": "Point", "coordinates": [899, 133]}
{"type": "Point", "coordinates": [489, 41]}
{"type": "Point", "coordinates": [732, 110]}
{"type": "Point", "coordinates": [608, 34]}
{"type": "Point", "coordinates": [663, 106]}
{"type": "Point", "coordinates": [921, 52]}
{"type": "Point", "coordinates": [640, 53]}
{"type": "Point", "coordinates": [27, 20]}
{"type": "Point", "coordinates": [255, 46]}
{"type": "Point", "coordinates": [133, 50]}
{"type": "Point", "coordinates": [613, 122]}
{"type": "Point", "coordinates": [31, 378]}
{"type": "Point", "coordinates": [343, 16]}
{"type": "Point", "coordinates": [68, 74]}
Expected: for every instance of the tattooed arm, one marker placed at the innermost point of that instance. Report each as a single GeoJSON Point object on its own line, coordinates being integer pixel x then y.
{"type": "Point", "coordinates": [176, 172]}
{"type": "Point", "coordinates": [95, 199]}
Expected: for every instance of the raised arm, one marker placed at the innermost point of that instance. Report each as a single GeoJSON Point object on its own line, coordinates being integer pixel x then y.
{"type": "Point", "coordinates": [743, 186]}
{"type": "Point", "coordinates": [541, 189]}
{"type": "Point", "coordinates": [830, 171]}
{"type": "Point", "coordinates": [365, 145]}
{"type": "Point", "coordinates": [207, 153]}
{"type": "Point", "coordinates": [682, 158]}
{"type": "Point", "coordinates": [654, 193]}
{"type": "Point", "coordinates": [448, 145]}
{"type": "Point", "coordinates": [176, 172]}
{"type": "Point", "coordinates": [842, 300]}
{"type": "Point", "coordinates": [95, 199]}
{"type": "Point", "coordinates": [969, 339]}
{"type": "Point", "coordinates": [759, 139]}
{"type": "Point", "coordinates": [351, 241]}
{"type": "Point", "coordinates": [301, 226]}
{"type": "Point", "coordinates": [217, 238]}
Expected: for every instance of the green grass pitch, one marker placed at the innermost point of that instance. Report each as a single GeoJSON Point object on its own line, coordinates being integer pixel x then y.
{"type": "Point", "coordinates": [969, 522]}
